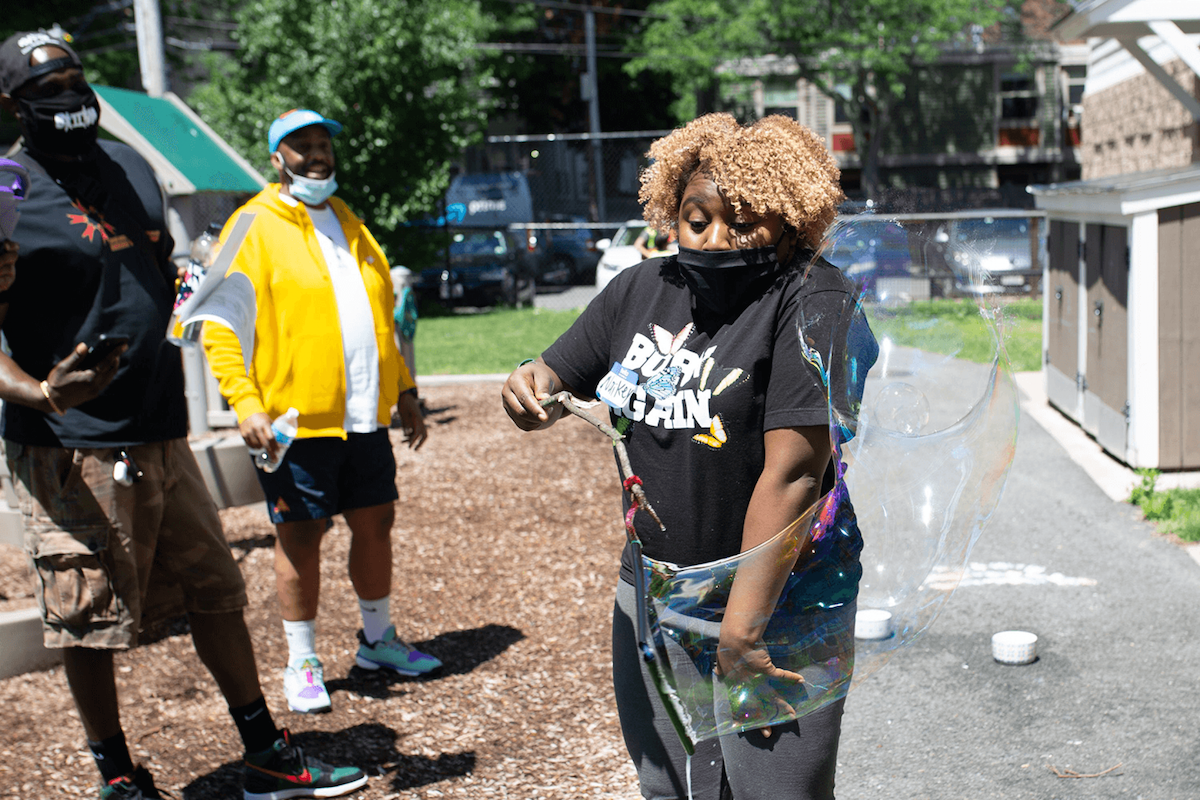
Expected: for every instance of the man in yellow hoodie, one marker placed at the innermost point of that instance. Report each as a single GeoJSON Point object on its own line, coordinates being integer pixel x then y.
{"type": "Point", "coordinates": [324, 345]}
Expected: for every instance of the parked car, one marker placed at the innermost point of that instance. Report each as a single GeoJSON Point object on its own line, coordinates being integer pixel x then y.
{"type": "Point", "coordinates": [486, 267]}
{"type": "Point", "coordinates": [992, 255]}
{"type": "Point", "coordinates": [618, 252]}
{"type": "Point", "coordinates": [875, 254]}
{"type": "Point", "coordinates": [569, 255]}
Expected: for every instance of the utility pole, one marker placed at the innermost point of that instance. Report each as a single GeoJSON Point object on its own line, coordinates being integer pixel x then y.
{"type": "Point", "coordinates": [594, 112]}
{"type": "Point", "coordinates": [148, 21]}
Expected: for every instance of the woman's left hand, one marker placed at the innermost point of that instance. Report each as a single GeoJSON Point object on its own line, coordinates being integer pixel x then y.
{"type": "Point", "coordinates": [741, 659]}
{"type": "Point", "coordinates": [747, 672]}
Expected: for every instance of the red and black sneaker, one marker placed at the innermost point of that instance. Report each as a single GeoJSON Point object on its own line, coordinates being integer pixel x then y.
{"type": "Point", "coordinates": [137, 785]}
{"type": "Point", "coordinates": [283, 771]}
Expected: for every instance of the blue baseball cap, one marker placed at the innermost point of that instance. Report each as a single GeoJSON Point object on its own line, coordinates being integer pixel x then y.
{"type": "Point", "coordinates": [294, 120]}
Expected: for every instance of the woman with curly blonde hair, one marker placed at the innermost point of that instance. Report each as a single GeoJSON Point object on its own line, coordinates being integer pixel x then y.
{"type": "Point", "coordinates": [707, 359]}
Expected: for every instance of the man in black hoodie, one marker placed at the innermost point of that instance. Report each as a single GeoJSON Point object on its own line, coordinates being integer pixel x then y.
{"type": "Point", "coordinates": [95, 423]}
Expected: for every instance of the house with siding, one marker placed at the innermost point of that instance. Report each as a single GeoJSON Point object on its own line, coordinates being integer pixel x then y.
{"type": "Point", "coordinates": [977, 126]}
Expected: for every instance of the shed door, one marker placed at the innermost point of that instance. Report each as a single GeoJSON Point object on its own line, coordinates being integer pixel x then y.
{"type": "Point", "coordinates": [1062, 329]}
{"type": "Point", "coordinates": [1106, 379]}
{"type": "Point", "coordinates": [1179, 337]}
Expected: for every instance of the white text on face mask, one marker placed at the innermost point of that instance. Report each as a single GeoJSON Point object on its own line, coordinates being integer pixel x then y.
{"type": "Point", "coordinates": [85, 117]}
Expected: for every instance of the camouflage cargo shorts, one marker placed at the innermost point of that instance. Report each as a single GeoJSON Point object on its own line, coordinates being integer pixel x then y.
{"type": "Point", "coordinates": [109, 558]}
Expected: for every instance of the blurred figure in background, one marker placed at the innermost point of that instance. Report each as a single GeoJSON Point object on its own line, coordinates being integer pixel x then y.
{"type": "Point", "coordinates": [405, 315]}
{"type": "Point", "coordinates": [652, 242]}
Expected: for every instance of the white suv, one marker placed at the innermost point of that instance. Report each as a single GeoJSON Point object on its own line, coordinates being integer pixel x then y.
{"type": "Point", "coordinates": [618, 253]}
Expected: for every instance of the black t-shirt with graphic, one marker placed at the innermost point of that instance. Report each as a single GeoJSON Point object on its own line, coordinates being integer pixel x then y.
{"type": "Point", "coordinates": [95, 258]}
{"type": "Point", "coordinates": [709, 388]}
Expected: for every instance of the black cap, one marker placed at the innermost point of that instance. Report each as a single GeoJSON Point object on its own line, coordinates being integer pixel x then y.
{"type": "Point", "coordinates": [15, 70]}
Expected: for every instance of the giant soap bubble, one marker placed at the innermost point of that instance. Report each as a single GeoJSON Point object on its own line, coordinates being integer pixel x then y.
{"type": "Point", "coordinates": [923, 416]}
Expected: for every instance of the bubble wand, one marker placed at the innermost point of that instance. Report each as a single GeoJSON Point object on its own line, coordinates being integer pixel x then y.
{"type": "Point", "coordinates": [638, 500]}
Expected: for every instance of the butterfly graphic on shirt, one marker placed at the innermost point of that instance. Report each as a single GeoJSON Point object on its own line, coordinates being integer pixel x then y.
{"type": "Point", "coordinates": [716, 435]}
{"type": "Point", "coordinates": [671, 343]}
{"type": "Point", "coordinates": [719, 378]}
{"type": "Point", "coordinates": [663, 385]}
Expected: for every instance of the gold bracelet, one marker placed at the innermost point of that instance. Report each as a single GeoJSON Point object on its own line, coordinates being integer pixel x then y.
{"type": "Point", "coordinates": [53, 405]}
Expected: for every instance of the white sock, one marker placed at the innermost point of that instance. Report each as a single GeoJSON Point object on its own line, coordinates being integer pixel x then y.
{"type": "Point", "coordinates": [376, 617]}
{"type": "Point", "coordinates": [301, 639]}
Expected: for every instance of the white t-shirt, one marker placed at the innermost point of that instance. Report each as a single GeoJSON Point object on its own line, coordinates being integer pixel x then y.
{"type": "Point", "coordinates": [357, 322]}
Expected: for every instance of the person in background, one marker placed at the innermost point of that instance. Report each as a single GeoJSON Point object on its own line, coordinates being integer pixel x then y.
{"type": "Point", "coordinates": [751, 205]}
{"type": "Point", "coordinates": [323, 344]}
{"type": "Point", "coordinates": [405, 316]}
{"type": "Point", "coordinates": [14, 182]}
{"type": "Point", "coordinates": [652, 242]}
{"type": "Point", "coordinates": [118, 520]}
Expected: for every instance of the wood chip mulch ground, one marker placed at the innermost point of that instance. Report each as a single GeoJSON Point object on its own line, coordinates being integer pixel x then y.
{"type": "Point", "coordinates": [505, 550]}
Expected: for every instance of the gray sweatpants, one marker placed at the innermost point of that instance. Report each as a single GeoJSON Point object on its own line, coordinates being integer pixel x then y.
{"type": "Point", "coordinates": [797, 762]}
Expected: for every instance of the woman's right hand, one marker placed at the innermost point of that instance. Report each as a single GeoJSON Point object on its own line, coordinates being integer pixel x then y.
{"type": "Point", "coordinates": [524, 392]}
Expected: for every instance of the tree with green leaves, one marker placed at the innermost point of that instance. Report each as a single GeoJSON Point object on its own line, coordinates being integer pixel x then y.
{"type": "Point", "coordinates": [401, 75]}
{"type": "Point", "coordinates": [857, 52]}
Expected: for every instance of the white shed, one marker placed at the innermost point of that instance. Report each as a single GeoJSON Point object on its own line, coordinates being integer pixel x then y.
{"type": "Point", "coordinates": [1121, 331]}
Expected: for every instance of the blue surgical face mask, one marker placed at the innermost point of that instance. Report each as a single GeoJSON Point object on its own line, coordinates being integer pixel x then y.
{"type": "Point", "coordinates": [310, 191]}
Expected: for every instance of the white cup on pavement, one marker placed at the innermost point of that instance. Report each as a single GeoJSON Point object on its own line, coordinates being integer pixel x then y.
{"type": "Point", "coordinates": [1014, 647]}
{"type": "Point", "coordinates": [872, 623]}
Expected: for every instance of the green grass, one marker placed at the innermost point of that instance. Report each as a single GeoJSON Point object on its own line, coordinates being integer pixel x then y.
{"type": "Point", "coordinates": [1177, 510]}
{"type": "Point", "coordinates": [955, 327]}
{"type": "Point", "coordinates": [486, 342]}
{"type": "Point", "coordinates": [494, 341]}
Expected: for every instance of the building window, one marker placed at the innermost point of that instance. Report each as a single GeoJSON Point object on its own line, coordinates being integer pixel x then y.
{"type": "Point", "coordinates": [1018, 96]}
{"type": "Point", "coordinates": [1075, 77]}
{"type": "Point", "coordinates": [1018, 122]}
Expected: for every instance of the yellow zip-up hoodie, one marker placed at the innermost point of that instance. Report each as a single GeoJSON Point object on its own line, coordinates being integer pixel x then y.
{"type": "Point", "coordinates": [298, 360]}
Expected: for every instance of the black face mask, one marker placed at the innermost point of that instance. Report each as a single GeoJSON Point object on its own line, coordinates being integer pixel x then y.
{"type": "Point", "coordinates": [66, 124]}
{"type": "Point", "coordinates": [724, 281]}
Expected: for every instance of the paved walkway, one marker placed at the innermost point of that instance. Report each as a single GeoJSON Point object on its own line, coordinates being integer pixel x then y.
{"type": "Point", "coordinates": [1114, 606]}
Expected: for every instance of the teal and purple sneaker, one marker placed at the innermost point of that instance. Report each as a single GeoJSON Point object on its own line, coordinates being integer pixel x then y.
{"type": "Point", "coordinates": [282, 771]}
{"type": "Point", "coordinates": [391, 653]}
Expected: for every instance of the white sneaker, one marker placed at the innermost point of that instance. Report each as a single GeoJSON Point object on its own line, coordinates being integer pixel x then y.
{"type": "Point", "coordinates": [304, 687]}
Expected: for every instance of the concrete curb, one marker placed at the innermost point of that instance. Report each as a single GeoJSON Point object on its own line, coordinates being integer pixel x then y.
{"type": "Point", "coordinates": [21, 648]}
{"type": "Point", "coordinates": [1114, 478]}
{"type": "Point", "coordinates": [458, 380]}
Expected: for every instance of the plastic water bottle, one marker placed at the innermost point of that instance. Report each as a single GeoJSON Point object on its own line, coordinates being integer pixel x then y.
{"type": "Point", "coordinates": [285, 428]}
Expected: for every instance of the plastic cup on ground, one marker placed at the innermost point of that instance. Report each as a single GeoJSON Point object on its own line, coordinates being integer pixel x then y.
{"type": "Point", "coordinates": [1014, 647]}
{"type": "Point", "coordinates": [872, 623]}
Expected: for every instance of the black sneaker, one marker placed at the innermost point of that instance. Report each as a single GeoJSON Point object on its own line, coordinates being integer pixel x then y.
{"type": "Point", "coordinates": [283, 771]}
{"type": "Point", "coordinates": [137, 785]}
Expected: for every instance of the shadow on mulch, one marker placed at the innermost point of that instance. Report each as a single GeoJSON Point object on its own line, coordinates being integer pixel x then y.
{"type": "Point", "coordinates": [427, 412]}
{"type": "Point", "coordinates": [252, 543]}
{"type": "Point", "coordinates": [370, 747]}
{"type": "Point", "coordinates": [461, 653]}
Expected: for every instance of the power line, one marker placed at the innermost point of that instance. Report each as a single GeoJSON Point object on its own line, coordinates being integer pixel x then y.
{"type": "Point", "coordinates": [621, 12]}
{"type": "Point", "coordinates": [549, 49]}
